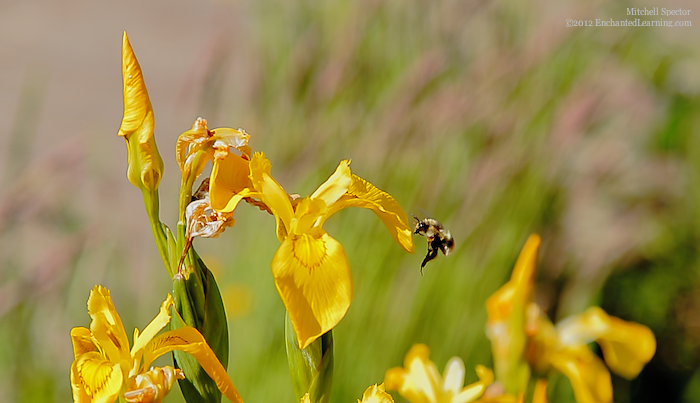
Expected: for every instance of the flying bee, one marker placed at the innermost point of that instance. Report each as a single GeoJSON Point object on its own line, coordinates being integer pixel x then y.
{"type": "Point", "coordinates": [438, 238]}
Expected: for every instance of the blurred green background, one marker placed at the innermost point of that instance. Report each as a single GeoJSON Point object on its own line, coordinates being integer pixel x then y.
{"type": "Point", "coordinates": [493, 117]}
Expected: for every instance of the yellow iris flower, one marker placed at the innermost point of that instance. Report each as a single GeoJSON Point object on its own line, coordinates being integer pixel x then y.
{"type": "Point", "coordinates": [626, 346]}
{"type": "Point", "coordinates": [420, 382]}
{"type": "Point", "coordinates": [376, 394]}
{"type": "Point", "coordinates": [373, 394]}
{"type": "Point", "coordinates": [145, 164]}
{"type": "Point", "coordinates": [522, 337]}
{"type": "Point", "coordinates": [230, 154]}
{"type": "Point", "coordinates": [505, 325]}
{"type": "Point", "coordinates": [310, 268]}
{"type": "Point", "coordinates": [105, 367]}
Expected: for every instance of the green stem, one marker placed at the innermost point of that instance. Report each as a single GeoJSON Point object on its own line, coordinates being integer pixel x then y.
{"type": "Point", "coordinates": [152, 203]}
{"type": "Point", "coordinates": [187, 181]}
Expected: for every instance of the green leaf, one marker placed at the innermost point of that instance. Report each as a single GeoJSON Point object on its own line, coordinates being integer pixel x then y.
{"type": "Point", "coordinates": [198, 304]}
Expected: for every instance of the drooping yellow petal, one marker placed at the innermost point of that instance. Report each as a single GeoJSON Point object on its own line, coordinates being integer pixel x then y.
{"type": "Point", "coordinates": [82, 341]}
{"type": "Point", "coordinates": [363, 194]}
{"type": "Point", "coordinates": [149, 332]}
{"type": "Point", "coordinates": [312, 276]}
{"type": "Point", "coordinates": [271, 193]}
{"type": "Point", "coordinates": [472, 391]}
{"type": "Point", "coordinates": [335, 186]}
{"type": "Point", "coordinates": [106, 326]}
{"type": "Point", "coordinates": [376, 394]}
{"type": "Point", "coordinates": [94, 376]}
{"type": "Point", "coordinates": [305, 398]}
{"type": "Point", "coordinates": [589, 377]}
{"type": "Point", "coordinates": [627, 347]}
{"type": "Point", "coordinates": [229, 177]}
{"type": "Point", "coordinates": [145, 164]}
{"type": "Point", "coordinates": [191, 341]}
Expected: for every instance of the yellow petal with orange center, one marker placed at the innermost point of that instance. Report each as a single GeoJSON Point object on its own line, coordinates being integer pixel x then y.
{"type": "Point", "coordinates": [313, 279]}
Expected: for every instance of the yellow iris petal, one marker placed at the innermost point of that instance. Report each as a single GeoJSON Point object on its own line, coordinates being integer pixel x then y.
{"type": "Point", "coordinates": [313, 279]}
{"type": "Point", "coordinates": [229, 177]}
{"type": "Point", "coordinates": [472, 391]}
{"type": "Point", "coordinates": [420, 382]}
{"type": "Point", "coordinates": [271, 193]}
{"type": "Point", "coordinates": [627, 347]}
{"type": "Point", "coordinates": [145, 164]}
{"type": "Point", "coordinates": [376, 394]}
{"type": "Point", "coordinates": [506, 309]}
{"type": "Point", "coordinates": [149, 332]}
{"type": "Point", "coordinates": [363, 194]}
{"type": "Point", "coordinates": [106, 326]}
{"type": "Point", "coordinates": [589, 377]}
{"type": "Point", "coordinates": [335, 186]}
{"type": "Point", "coordinates": [191, 341]}
{"type": "Point", "coordinates": [94, 376]}
{"type": "Point", "coordinates": [82, 341]}
{"type": "Point", "coordinates": [518, 290]}
{"type": "Point", "coordinates": [137, 104]}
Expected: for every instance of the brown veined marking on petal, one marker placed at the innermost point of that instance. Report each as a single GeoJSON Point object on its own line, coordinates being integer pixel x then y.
{"type": "Point", "coordinates": [102, 374]}
{"type": "Point", "coordinates": [114, 339]}
{"type": "Point", "coordinates": [167, 340]}
{"type": "Point", "coordinates": [305, 246]}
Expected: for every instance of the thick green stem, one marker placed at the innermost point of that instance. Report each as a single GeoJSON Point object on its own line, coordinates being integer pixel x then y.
{"type": "Point", "coordinates": [311, 368]}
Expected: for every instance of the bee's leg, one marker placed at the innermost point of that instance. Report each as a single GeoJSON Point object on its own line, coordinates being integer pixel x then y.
{"type": "Point", "coordinates": [432, 254]}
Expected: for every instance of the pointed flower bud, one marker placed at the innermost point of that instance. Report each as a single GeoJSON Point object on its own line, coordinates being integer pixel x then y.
{"type": "Point", "coordinates": [145, 164]}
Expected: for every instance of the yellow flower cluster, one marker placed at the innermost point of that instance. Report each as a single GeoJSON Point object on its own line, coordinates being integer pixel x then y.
{"type": "Point", "coordinates": [312, 276]}
{"type": "Point", "coordinates": [524, 339]}
{"type": "Point", "coordinates": [105, 367]}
